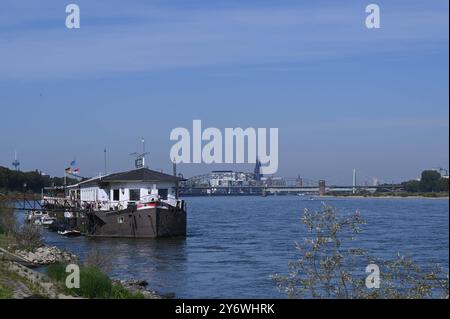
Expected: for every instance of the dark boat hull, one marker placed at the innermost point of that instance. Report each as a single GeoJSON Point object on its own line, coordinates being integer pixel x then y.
{"type": "Point", "coordinates": [132, 223]}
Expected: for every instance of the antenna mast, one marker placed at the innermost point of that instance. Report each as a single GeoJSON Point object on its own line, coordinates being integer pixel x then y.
{"type": "Point", "coordinates": [16, 163]}
{"type": "Point", "coordinates": [139, 162]}
{"type": "Point", "coordinates": [106, 170]}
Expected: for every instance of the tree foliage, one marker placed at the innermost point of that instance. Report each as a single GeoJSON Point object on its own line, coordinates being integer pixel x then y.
{"type": "Point", "coordinates": [15, 181]}
{"type": "Point", "coordinates": [27, 237]}
{"type": "Point", "coordinates": [329, 266]}
{"type": "Point", "coordinates": [412, 186]}
{"type": "Point", "coordinates": [430, 181]}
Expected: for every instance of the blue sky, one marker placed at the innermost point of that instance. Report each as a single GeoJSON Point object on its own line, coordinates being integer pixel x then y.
{"type": "Point", "coordinates": [342, 96]}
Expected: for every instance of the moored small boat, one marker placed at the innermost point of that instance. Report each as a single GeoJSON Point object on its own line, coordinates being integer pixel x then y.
{"type": "Point", "coordinates": [47, 220]}
{"type": "Point", "coordinates": [40, 218]}
{"type": "Point", "coordinates": [34, 215]}
{"type": "Point", "coordinates": [69, 233]}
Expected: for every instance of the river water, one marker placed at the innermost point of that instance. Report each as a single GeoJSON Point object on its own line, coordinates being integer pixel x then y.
{"type": "Point", "coordinates": [235, 244]}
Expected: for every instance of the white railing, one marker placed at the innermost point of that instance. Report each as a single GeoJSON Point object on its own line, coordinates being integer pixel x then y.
{"type": "Point", "coordinates": [107, 205]}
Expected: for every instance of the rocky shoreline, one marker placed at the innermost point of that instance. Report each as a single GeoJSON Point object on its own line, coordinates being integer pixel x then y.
{"type": "Point", "coordinates": [48, 255]}
{"type": "Point", "coordinates": [138, 286]}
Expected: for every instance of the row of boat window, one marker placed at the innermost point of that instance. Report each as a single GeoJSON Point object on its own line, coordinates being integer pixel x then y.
{"type": "Point", "coordinates": [135, 194]}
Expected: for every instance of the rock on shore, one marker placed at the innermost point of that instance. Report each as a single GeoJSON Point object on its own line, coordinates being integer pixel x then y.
{"type": "Point", "coordinates": [46, 255]}
{"type": "Point", "coordinates": [136, 286]}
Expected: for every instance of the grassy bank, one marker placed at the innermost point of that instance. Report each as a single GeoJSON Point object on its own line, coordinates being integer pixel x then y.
{"type": "Point", "coordinates": [20, 282]}
{"type": "Point", "coordinates": [93, 284]}
{"type": "Point", "coordinates": [14, 284]}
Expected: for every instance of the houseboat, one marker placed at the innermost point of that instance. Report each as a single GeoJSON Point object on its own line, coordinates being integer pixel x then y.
{"type": "Point", "coordinates": [140, 203]}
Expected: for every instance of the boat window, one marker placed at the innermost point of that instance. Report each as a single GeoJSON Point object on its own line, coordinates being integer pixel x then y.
{"type": "Point", "coordinates": [163, 192]}
{"type": "Point", "coordinates": [116, 195]}
{"type": "Point", "coordinates": [120, 220]}
{"type": "Point", "coordinates": [135, 195]}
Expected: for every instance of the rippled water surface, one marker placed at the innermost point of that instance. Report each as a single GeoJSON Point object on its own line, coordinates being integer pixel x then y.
{"type": "Point", "coordinates": [234, 244]}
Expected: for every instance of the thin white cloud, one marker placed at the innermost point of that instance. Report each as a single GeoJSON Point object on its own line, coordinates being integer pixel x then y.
{"type": "Point", "coordinates": [148, 38]}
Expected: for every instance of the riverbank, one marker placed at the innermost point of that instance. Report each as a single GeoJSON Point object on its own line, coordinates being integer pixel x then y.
{"type": "Point", "coordinates": [444, 196]}
{"type": "Point", "coordinates": [19, 280]}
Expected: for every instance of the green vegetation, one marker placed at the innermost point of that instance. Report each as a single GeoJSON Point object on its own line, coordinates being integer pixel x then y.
{"type": "Point", "coordinates": [93, 284]}
{"type": "Point", "coordinates": [328, 266]}
{"type": "Point", "coordinates": [14, 285]}
{"type": "Point", "coordinates": [430, 182]}
{"type": "Point", "coordinates": [5, 241]}
{"type": "Point", "coordinates": [57, 272]}
{"type": "Point", "coordinates": [14, 181]}
{"type": "Point", "coordinates": [24, 237]}
{"type": "Point", "coordinates": [120, 292]}
{"type": "Point", "coordinates": [391, 194]}
{"type": "Point", "coordinates": [430, 185]}
{"type": "Point", "coordinates": [27, 237]}
{"type": "Point", "coordinates": [5, 292]}
{"type": "Point", "coordinates": [7, 219]}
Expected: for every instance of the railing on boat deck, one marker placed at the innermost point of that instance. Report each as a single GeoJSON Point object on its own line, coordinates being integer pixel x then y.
{"type": "Point", "coordinates": [32, 202]}
{"type": "Point", "coordinates": [77, 204]}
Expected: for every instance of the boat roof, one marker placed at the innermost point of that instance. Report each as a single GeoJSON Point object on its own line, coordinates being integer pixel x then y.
{"type": "Point", "coordinates": [136, 175]}
{"type": "Point", "coordinates": [141, 175]}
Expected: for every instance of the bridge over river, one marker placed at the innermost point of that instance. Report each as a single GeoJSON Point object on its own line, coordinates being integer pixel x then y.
{"type": "Point", "coordinates": [320, 189]}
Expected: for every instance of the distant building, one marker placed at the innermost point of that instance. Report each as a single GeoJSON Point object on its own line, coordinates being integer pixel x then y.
{"type": "Point", "coordinates": [229, 179]}
{"type": "Point", "coordinates": [257, 170]}
{"type": "Point", "coordinates": [299, 181]}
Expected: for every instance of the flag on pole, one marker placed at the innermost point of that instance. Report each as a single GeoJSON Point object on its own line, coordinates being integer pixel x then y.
{"type": "Point", "coordinates": [73, 163]}
{"type": "Point", "coordinates": [76, 170]}
{"type": "Point", "coordinates": [68, 170]}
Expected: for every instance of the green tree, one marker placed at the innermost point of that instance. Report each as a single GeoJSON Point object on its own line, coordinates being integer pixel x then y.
{"type": "Point", "coordinates": [429, 181]}
{"type": "Point", "coordinates": [442, 185]}
{"type": "Point", "coordinates": [412, 186]}
{"type": "Point", "coordinates": [15, 181]}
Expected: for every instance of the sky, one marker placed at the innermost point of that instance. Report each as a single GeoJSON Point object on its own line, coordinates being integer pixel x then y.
{"type": "Point", "coordinates": [342, 96]}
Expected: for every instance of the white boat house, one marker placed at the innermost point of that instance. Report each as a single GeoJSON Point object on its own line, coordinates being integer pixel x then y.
{"type": "Point", "coordinates": [119, 190]}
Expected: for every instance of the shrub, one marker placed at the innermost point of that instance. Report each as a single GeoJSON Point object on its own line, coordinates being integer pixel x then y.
{"type": "Point", "coordinates": [5, 292]}
{"type": "Point", "coordinates": [8, 222]}
{"type": "Point", "coordinates": [329, 267]}
{"type": "Point", "coordinates": [57, 272]}
{"type": "Point", "coordinates": [27, 237]}
{"type": "Point", "coordinates": [120, 292]}
{"type": "Point", "coordinates": [94, 283]}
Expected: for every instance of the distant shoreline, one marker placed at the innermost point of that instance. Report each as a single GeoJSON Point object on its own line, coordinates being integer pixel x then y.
{"type": "Point", "coordinates": [387, 197]}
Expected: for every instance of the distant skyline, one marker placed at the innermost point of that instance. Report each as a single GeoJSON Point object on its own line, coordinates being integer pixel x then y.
{"type": "Point", "coordinates": [341, 95]}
